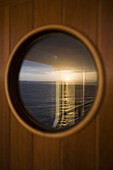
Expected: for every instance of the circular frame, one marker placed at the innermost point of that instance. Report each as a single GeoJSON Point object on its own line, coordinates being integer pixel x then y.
{"type": "Point", "coordinates": [25, 41]}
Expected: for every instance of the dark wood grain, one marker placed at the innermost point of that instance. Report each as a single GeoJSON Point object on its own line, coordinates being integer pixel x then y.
{"type": "Point", "coordinates": [47, 151]}
{"type": "Point", "coordinates": [79, 150]}
{"type": "Point", "coordinates": [4, 109]}
{"type": "Point", "coordinates": [106, 116]}
{"type": "Point", "coordinates": [47, 12]}
{"type": "Point", "coordinates": [21, 138]}
{"type": "Point", "coordinates": [8, 2]}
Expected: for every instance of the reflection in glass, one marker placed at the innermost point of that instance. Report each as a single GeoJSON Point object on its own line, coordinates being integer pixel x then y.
{"type": "Point", "coordinates": [58, 80]}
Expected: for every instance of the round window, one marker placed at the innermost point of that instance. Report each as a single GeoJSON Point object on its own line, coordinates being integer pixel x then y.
{"type": "Point", "coordinates": [54, 81]}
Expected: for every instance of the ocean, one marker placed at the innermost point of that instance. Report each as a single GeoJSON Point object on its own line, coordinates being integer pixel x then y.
{"type": "Point", "coordinates": [57, 108]}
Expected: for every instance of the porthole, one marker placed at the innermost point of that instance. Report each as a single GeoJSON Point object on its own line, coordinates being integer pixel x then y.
{"type": "Point", "coordinates": [54, 81]}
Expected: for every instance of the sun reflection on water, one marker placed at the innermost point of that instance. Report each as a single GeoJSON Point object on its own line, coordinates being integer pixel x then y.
{"type": "Point", "coordinates": [66, 112]}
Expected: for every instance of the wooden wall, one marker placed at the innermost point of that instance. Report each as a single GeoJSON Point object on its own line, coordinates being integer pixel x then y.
{"type": "Point", "coordinates": [90, 149]}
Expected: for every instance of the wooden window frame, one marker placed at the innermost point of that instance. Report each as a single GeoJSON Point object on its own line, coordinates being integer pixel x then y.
{"type": "Point", "coordinates": [10, 88]}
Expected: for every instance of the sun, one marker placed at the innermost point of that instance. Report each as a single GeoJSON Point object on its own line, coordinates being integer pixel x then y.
{"type": "Point", "coordinates": [67, 78]}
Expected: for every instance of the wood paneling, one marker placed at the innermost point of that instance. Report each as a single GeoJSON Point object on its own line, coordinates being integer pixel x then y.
{"type": "Point", "coordinates": [91, 148]}
{"type": "Point", "coordinates": [4, 109]}
{"type": "Point", "coordinates": [21, 138]}
{"type": "Point", "coordinates": [47, 152]}
{"type": "Point", "coordinates": [21, 21]}
{"type": "Point", "coordinates": [81, 15]}
{"type": "Point", "coordinates": [79, 150]}
{"type": "Point", "coordinates": [47, 12]}
{"type": "Point", "coordinates": [106, 114]}
{"type": "Point", "coordinates": [7, 2]}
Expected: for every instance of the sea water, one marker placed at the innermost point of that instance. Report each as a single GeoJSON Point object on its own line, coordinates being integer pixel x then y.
{"type": "Point", "coordinates": [39, 98]}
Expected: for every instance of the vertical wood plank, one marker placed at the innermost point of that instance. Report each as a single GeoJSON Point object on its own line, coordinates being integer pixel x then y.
{"type": "Point", "coordinates": [47, 151]}
{"type": "Point", "coordinates": [21, 138]}
{"type": "Point", "coordinates": [79, 150]}
{"type": "Point", "coordinates": [106, 115]}
{"type": "Point", "coordinates": [8, 2]}
{"type": "Point", "coordinates": [47, 12]}
{"type": "Point", "coordinates": [4, 109]}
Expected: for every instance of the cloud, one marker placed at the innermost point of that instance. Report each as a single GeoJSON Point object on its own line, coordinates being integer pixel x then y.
{"type": "Point", "coordinates": [49, 76]}
{"type": "Point", "coordinates": [36, 68]}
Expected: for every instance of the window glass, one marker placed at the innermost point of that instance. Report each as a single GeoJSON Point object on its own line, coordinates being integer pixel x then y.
{"type": "Point", "coordinates": [58, 80]}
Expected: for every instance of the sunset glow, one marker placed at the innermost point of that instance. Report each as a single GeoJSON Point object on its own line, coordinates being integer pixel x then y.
{"type": "Point", "coordinates": [67, 79]}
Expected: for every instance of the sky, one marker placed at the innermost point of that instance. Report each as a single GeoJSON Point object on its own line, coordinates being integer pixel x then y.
{"type": "Point", "coordinates": [34, 71]}
{"type": "Point", "coordinates": [58, 57]}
